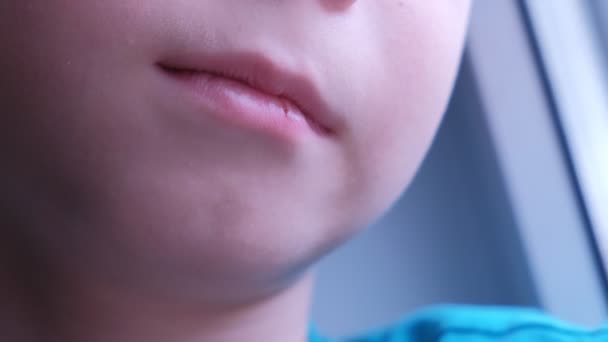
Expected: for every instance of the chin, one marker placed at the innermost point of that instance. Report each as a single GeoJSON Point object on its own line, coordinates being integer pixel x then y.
{"type": "Point", "coordinates": [204, 250]}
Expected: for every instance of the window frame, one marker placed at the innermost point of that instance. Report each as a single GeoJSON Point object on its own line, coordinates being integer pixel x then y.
{"type": "Point", "coordinates": [572, 53]}
{"type": "Point", "coordinates": [543, 193]}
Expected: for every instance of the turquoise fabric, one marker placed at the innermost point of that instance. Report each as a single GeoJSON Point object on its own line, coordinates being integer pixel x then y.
{"type": "Point", "coordinates": [477, 324]}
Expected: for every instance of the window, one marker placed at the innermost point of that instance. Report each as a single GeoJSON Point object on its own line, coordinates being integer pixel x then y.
{"type": "Point", "coordinates": [571, 43]}
{"type": "Point", "coordinates": [541, 75]}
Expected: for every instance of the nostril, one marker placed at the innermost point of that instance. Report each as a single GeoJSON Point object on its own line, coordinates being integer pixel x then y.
{"type": "Point", "coordinates": [337, 5]}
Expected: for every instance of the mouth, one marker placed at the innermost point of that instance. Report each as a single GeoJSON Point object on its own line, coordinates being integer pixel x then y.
{"type": "Point", "coordinates": [251, 90]}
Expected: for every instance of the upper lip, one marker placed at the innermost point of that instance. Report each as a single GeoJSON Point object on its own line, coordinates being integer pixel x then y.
{"type": "Point", "coordinates": [262, 73]}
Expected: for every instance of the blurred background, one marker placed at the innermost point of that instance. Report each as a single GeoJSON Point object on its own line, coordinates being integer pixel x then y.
{"type": "Point", "coordinates": [511, 205]}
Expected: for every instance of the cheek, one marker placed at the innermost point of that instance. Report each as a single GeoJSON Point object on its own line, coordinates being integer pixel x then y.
{"type": "Point", "coordinates": [416, 54]}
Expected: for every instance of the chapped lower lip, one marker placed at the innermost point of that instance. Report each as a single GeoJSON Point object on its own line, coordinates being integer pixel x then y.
{"type": "Point", "coordinates": [243, 105]}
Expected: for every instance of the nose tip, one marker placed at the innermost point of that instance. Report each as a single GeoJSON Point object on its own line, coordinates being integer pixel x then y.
{"type": "Point", "coordinates": [337, 5]}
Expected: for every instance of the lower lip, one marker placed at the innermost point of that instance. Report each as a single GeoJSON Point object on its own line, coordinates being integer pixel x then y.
{"type": "Point", "coordinates": [245, 106]}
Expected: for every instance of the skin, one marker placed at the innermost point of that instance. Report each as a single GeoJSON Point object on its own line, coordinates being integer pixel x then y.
{"type": "Point", "coordinates": [131, 217]}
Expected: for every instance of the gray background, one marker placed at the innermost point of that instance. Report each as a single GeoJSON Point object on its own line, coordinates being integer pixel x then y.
{"type": "Point", "coordinates": [449, 239]}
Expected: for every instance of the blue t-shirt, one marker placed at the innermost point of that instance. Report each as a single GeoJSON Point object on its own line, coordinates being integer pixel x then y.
{"type": "Point", "coordinates": [477, 324]}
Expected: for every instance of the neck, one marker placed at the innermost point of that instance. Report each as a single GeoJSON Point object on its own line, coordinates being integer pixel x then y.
{"type": "Point", "coordinates": [38, 306]}
{"type": "Point", "coordinates": [98, 315]}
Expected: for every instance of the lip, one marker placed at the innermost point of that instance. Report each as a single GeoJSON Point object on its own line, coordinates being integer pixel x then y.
{"type": "Point", "coordinates": [289, 88]}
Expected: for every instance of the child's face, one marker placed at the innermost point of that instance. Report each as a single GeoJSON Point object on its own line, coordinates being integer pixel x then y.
{"type": "Point", "coordinates": [121, 168]}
